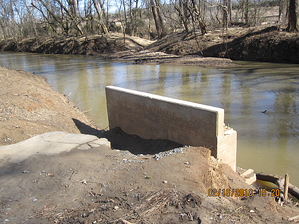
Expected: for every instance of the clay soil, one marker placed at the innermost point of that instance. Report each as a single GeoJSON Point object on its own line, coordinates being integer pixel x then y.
{"type": "Point", "coordinates": [29, 106]}
{"type": "Point", "coordinates": [128, 183]}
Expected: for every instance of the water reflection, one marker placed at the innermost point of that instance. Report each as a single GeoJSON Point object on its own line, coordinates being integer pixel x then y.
{"type": "Point", "coordinates": [266, 141]}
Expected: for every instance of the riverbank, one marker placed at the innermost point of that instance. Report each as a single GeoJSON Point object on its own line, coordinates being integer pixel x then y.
{"type": "Point", "coordinates": [215, 49]}
{"type": "Point", "coordinates": [98, 183]}
{"type": "Point", "coordinates": [29, 107]}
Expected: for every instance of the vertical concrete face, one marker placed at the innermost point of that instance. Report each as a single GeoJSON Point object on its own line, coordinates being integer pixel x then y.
{"type": "Point", "coordinates": [155, 117]}
{"type": "Point", "coordinates": [227, 147]}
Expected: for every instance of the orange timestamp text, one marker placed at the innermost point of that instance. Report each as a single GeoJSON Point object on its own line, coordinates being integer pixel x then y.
{"type": "Point", "coordinates": [239, 192]}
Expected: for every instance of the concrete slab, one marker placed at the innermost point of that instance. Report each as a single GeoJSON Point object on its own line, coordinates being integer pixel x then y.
{"type": "Point", "coordinates": [100, 142]}
{"type": "Point", "coordinates": [249, 176]}
{"type": "Point", "coordinates": [48, 144]}
{"type": "Point", "coordinates": [84, 147]}
{"type": "Point", "coordinates": [64, 137]}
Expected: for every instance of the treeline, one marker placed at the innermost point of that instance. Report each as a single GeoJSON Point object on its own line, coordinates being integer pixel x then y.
{"type": "Point", "coordinates": [20, 19]}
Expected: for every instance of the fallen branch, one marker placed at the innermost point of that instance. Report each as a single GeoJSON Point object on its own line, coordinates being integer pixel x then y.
{"type": "Point", "coordinates": [85, 111]}
{"type": "Point", "coordinates": [279, 181]}
{"type": "Point", "coordinates": [294, 218]}
{"type": "Point", "coordinates": [126, 222]}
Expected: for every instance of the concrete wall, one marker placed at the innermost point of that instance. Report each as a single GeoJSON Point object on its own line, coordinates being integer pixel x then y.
{"type": "Point", "coordinates": [156, 117]}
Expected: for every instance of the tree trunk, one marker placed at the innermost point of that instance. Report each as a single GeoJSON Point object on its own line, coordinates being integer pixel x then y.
{"type": "Point", "coordinates": [282, 11]}
{"type": "Point", "coordinates": [47, 17]}
{"type": "Point", "coordinates": [72, 16]}
{"type": "Point", "coordinates": [160, 18]}
{"type": "Point", "coordinates": [135, 14]}
{"type": "Point", "coordinates": [132, 25]}
{"type": "Point", "coordinates": [182, 15]}
{"type": "Point", "coordinates": [202, 25]}
{"type": "Point", "coordinates": [293, 16]}
{"type": "Point", "coordinates": [126, 22]}
{"type": "Point", "coordinates": [102, 8]}
{"type": "Point", "coordinates": [77, 17]}
{"type": "Point", "coordinates": [230, 9]}
{"type": "Point", "coordinates": [75, 2]}
{"type": "Point", "coordinates": [102, 25]}
{"type": "Point", "coordinates": [246, 13]}
{"type": "Point", "coordinates": [3, 30]}
{"type": "Point", "coordinates": [225, 14]}
{"type": "Point", "coordinates": [156, 18]}
{"type": "Point", "coordinates": [105, 15]}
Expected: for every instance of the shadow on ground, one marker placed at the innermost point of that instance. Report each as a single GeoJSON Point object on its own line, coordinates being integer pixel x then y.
{"type": "Point", "coordinates": [123, 141]}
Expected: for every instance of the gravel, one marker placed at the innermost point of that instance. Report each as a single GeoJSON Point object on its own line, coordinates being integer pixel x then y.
{"type": "Point", "coordinates": [160, 155]}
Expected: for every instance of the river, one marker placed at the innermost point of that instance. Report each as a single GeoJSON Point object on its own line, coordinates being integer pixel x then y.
{"type": "Point", "coordinates": [267, 142]}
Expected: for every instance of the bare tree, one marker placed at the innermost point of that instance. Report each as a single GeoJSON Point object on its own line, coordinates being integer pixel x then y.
{"type": "Point", "coordinates": [225, 14]}
{"type": "Point", "coordinates": [201, 23]}
{"type": "Point", "coordinates": [230, 8]}
{"type": "Point", "coordinates": [246, 11]}
{"type": "Point", "coordinates": [183, 12]}
{"type": "Point", "coordinates": [132, 21]}
{"type": "Point", "coordinates": [293, 16]}
{"type": "Point", "coordinates": [158, 18]}
{"type": "Point", "coordinates": [102, 24]}
{"type": "Point", "coordinates": [282, 11]}
{"type": "Point", "coordinates": [72, 13]}
{"type": "Point", "coordinates": [49, 16]}
{"type": "Point", "coordinates": [69, 13]}
{"type": "Point", "coordinates": [7, 13]}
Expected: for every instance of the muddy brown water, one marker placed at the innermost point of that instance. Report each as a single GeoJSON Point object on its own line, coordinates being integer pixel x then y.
{"type": "Point", "coordinates": [267, 142]}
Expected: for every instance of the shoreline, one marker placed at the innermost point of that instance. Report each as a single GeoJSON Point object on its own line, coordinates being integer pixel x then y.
{"type": "Point", "coordinates": [149, 57]}
{"type": "Point", "coordinates": [215, 49]}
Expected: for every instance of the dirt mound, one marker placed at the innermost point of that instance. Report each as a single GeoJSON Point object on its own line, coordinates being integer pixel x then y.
{"type": "Point", "coordinates": [29, 107]}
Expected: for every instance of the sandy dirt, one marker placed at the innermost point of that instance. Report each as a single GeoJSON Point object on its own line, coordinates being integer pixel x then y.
{"type": "Point", "coordinates": [29, 106]}
{"type": "Point", "coordinates": [107, 186]}
{"type": "Point", "coordinates": [135, 181]}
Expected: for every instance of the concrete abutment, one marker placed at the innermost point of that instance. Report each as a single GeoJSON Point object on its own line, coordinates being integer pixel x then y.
{"type": "Point", "coordinates": [156, 117]}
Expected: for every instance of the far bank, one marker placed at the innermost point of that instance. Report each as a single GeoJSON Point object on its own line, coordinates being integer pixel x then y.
{"type": "Point", "coordinates": [215, 49]}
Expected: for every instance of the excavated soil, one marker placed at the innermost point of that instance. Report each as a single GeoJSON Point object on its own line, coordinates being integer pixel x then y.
{"type": "Point", "coordinates": [29, 106]}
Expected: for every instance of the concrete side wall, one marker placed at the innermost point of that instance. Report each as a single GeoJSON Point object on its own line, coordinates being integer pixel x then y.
{"type": "Point", "coordinates": [155, 117]}
{"type": "Point", "coordinates": [227, 148]}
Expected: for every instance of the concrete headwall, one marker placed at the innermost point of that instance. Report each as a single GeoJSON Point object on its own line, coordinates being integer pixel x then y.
{"type": "Point", "coordinates": [156, 117]}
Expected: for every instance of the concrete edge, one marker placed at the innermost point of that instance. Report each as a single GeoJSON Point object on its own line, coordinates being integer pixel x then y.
{"type": "Point", "coordinates": [168, 99]}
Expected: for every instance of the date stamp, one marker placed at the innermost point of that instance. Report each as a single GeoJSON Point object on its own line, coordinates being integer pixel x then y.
{"type": "Point", "coordinates": [272, 192]}
{"type": "Point", "coordinates": [239, 192]}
